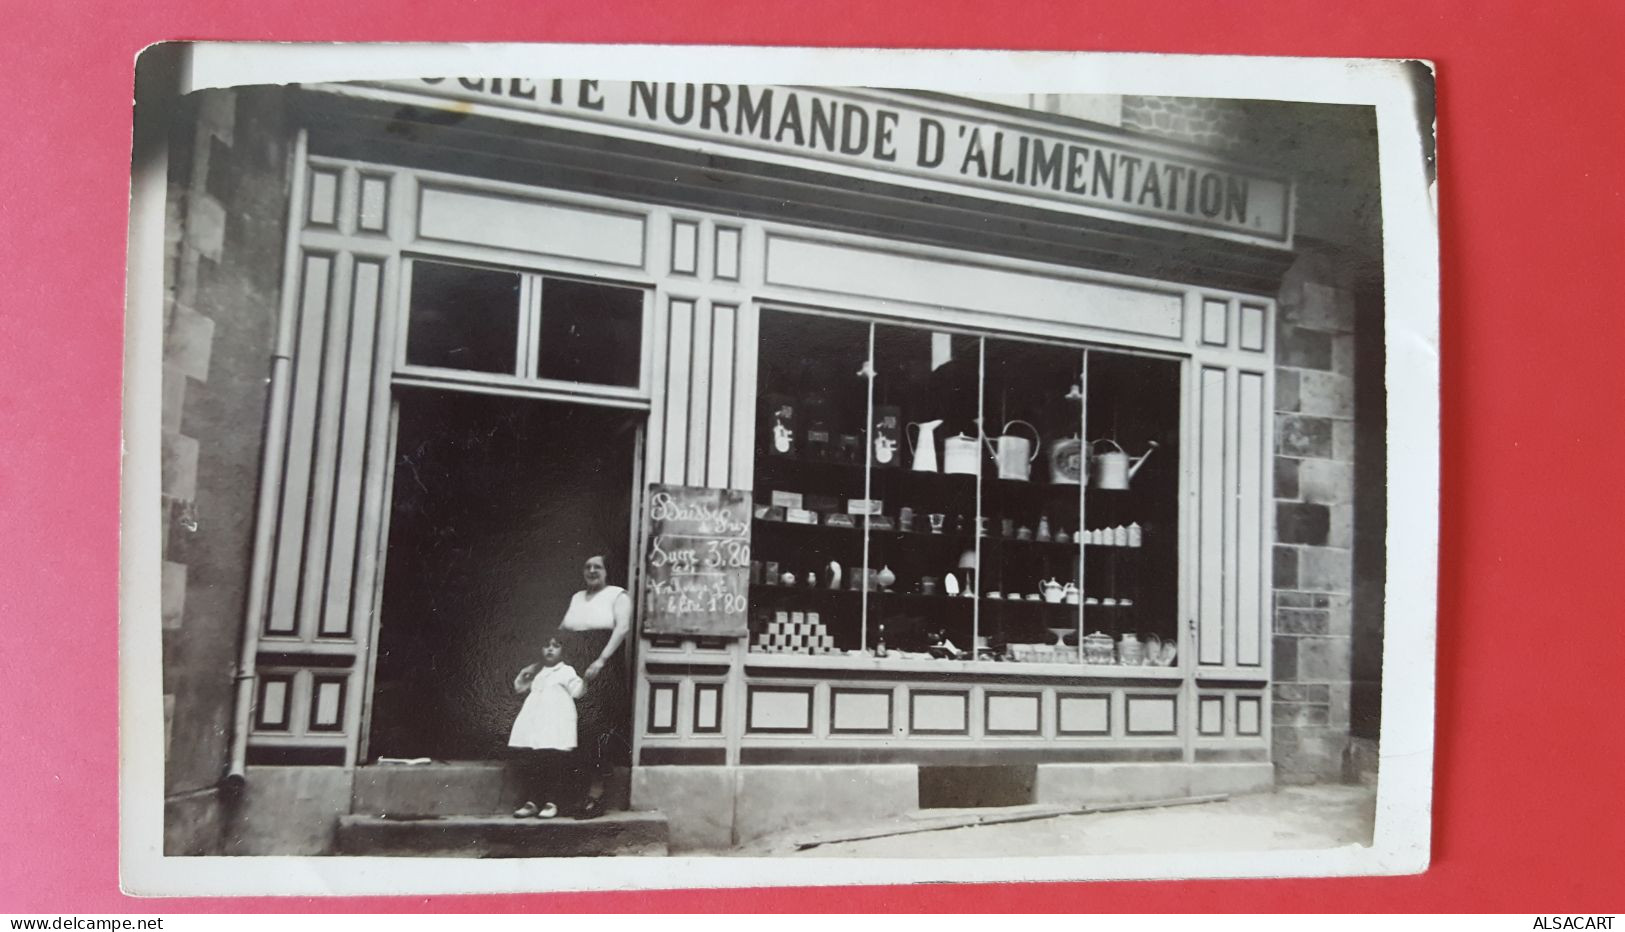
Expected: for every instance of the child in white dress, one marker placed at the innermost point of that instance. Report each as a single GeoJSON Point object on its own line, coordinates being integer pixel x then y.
{"type": "Point", "coordinates": [544, 732]}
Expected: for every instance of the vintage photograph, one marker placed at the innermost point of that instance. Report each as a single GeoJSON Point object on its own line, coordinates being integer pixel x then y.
{"type": "Point", "coordinates": [571, 467]}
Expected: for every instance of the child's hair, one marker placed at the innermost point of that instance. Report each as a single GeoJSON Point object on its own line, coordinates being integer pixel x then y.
{"type": "Point", "coordinates": [554, 641]}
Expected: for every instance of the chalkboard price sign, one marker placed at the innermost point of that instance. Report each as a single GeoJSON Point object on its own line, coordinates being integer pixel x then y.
{"type": "Point", "coordinates": [697, 569]}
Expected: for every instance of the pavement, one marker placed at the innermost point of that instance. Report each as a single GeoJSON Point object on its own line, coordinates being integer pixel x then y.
{"type": "Point", "coordinates": [1290, 817]}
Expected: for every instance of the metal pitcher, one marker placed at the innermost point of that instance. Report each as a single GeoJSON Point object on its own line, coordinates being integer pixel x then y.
{"type": "Point", "coordinates": [924, 449]}
{"type": "Point", "coordinates": [1114, 469]}
{"type": "Point", "coordinates": [1014, 453]}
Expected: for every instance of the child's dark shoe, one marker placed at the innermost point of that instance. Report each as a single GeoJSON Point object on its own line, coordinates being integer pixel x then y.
{"type": "Point", "coordinates": [592, 808]}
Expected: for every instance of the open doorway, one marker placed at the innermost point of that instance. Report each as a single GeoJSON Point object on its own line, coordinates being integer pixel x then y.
{"type": "Point", "coordinates": [496, 503]}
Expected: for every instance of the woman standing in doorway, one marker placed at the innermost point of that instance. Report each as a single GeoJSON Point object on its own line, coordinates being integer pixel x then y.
{"type": "Point", "coordinates": [592, 632]}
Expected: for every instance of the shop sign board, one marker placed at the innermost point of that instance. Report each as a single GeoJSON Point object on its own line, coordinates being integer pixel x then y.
{"type": "Point", "coordinates": [696, 572]}
{"type": "Point", "coordinates": [907, 138]}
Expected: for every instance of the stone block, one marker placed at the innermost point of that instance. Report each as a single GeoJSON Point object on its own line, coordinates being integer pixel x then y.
{"type": "Point", "coordinates": [192, 825]}
{"type": "Point", "coordinates": [775, 799]}
{"type": "Point", "coordinates": [1286, 390]}
{"type": "Point", "coordinates": [1323, 659]}
{"type": "Point", "coordinates": [1307, 753]}
{"type": "Point", "coordinates": [187, 343]}
{"type": "Point", "coordinates": [174, 400]}
{"type": "Point", "coordinates": [470, 788]}
{"type": "Point", "coordinates": [217, 113]}
{"type": "Point", "coordinates": [169, 722]}
{"type": "Point", "coordinates": [1303, 349]}
{"type": "Point", "coordinates": [1285, 575]}
{"type": "Point", "coordinates": [172, 598]}
{"type": "Point", "coordinates": [217, 180]}
{"type": "Point", "coordinates": [1361, 763]}
{"type": "Point", "coordinates": [1299, 713]}
{"type": "Point", "coordinates": [1325, 569]}
{"type": "Point", "coordinates": [612, 834]}
{"type": "Point", "coordinates": [1297, 523]}
{"type": "Point", "coordinates": [1340, 531]}
{"type": "Point", "coordinates": [1302, 600]}
{"type": "Point", "coordinates": [289, 810]}
{"type": "Point", "coordinates": [1300, 435]}
{"type": "Point", "coordinates": [1325, 307]}
{"type": "Point", "coordinates": [698, 803]}
{"type": "Point", "coordinates": [1286, 477]}
{"type": "Point", "coordinates": [206, 230]}
{"type": "Point", "coordinates": [1343, 354]}
{"type": "Point", "coordinates": [1285, 658]}
{"type": "Point", "coordinates": [178, 466]}
{"type": "Point", "coordinates": [1340, 614]}
{"type": "Point", "coordinates": [1339, 708]}
{"type": "Point", "coordinates": [1301, 621]}
{"type": "Point", "coordinates": [1343, 441]}
{"type": "Point", "coordinates": [1326, 481]}
{"type": "Point", "coordinates": [1326, 394]}
{"type": "Point", "coordinates": [1082, 784]}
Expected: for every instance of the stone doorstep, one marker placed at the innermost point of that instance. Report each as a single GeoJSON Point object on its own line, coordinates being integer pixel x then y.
{"type": "Point", "coordinates": [611, 834]}
{"type": "Point", "coordinates": [457, 788]}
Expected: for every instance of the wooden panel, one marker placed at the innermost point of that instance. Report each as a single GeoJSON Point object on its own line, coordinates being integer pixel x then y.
{"type": "Point", "coordinates": [872, 274]}
{"type": "Point", "coordinates": [860, 711]}
{"type": "Point", "coordinates": [747, 321]}
{"type": "Point", "coordinates": [1249, 717]}
{"type": "Point", "coordinates": [282, 618]}
{"type": "Point", "coordinates": [699, 388]}
{"type": "Point", "coordinates": [727, 253]}
{"type": "Point", "coordinates": [1084, 715]}
{"type": "Point", "coordinates": [272, 710]}
{"type": "Point", "coordinates": [1210, 555]}
{"type": "Point", "coordinates": [373, 215]}
{"type": "Point", "coordinates": [1210, 720]}
{"type": "Point", "coordinates": [1250, 600]}
{"type": "Point", "coordinates": [531, 226]}
{"type": "Point", "coordinates": [685, 247]}
{"type": "Point", "coordinates": [1216, 322]}
{"type": "Point", "coordinates": [1252, 327]}
{"type": "Point", "coordinates": [679, 359]}
{"type": "Point", "coordinates": [327, 703]}
{"type": "Point", "coordinates": [1151, 715]}
{"type": "Point", "coordinates": [707, 708]}
{"type": "Point", "coordinates": [662, 708]}
{"type": "Point", "coordinates": [779, 710]}
{"type": "Point", "coordinates": [334, 361]}
{"type": "Point", "coordinates": [353, 436]}
{"type": "Point", "coordinates": [1012, 714]}
{"type": "Point", "coordinates": [938, 713]}
{"type": "Point", "coordinates": [719, 445]}
{"type": "Point", "coordinates": [322, 210]}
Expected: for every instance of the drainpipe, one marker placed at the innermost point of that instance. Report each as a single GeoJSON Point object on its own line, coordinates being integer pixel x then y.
{"type": "Point", "coordinates": [271, 460]}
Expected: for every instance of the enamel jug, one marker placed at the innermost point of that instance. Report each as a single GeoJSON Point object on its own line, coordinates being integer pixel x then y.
{"type": "Point", "coordinates": [1014, 453]}
{"type": "Point", "coordinates": [959, 456]}
{"type": "Point", "coordinates": [924, 448]}
{"type": "Point", "coordinates": [1114, 469]}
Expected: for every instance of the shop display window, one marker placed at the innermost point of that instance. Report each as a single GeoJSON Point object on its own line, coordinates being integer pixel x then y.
{"type": "Point", "coordinates": [929, 494]}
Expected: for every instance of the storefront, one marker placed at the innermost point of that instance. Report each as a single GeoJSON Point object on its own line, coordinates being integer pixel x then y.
{"type": "Point", "coordinates": [927, 434]}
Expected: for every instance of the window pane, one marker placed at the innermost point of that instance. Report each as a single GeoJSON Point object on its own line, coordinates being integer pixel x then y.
{"type": "Point", "coordinates": [463, 318]}
{"type": "Point", "coordinates": [590, 333]}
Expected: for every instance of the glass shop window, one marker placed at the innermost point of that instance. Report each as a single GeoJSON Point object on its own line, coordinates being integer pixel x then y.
{"type": "Point", "coordinates": [462, 317]}
{"type": "Point", "coordinates": [931, 494]}
{"type": "Point", "coordinates": [590, 333]}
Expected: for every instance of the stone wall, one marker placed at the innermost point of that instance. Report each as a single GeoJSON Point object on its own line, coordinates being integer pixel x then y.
{"type": "Point", "coordinates": [1314, 493]}
{"type": "Point", "coordinates": [225, 227]}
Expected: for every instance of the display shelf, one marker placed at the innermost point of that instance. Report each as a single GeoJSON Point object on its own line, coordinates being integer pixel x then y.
{"type": "Point", "coordinates": [778, 664]}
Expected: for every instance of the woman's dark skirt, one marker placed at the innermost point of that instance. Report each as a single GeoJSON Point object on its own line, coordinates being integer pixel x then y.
{"type": "Point", "coordinates": [603, 713]}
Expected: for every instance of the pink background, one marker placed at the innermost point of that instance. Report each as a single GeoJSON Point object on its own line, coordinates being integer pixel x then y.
{"type": "Point", "coordinates": [1530, 764]}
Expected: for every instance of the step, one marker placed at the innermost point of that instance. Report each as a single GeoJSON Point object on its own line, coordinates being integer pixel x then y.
{"type": "Point", "coordinates": [489, 836]}
{"type": "Point", "coordinates": [453, 788]}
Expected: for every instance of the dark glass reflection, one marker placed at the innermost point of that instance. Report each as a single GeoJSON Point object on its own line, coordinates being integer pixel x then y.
{"type": "Point", "coordinates": [463, 318]}
{"type": "Point", "coordinates": [590, 333]}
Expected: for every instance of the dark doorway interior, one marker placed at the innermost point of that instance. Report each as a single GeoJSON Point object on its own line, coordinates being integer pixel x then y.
{"type": "Point", "coordinates": [497, 502]}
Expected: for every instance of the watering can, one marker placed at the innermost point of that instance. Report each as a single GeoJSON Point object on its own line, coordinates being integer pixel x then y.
{"type": "Point", "coordinates": [924, 448]}
{"type": "Point", "coordinates": [1014, 453]}
{"type": "Point", "coordinates": [1114, 469]}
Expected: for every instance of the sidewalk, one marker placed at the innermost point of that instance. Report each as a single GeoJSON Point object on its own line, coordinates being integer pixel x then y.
{"type": "Point", "coordinates": [1290, 817]}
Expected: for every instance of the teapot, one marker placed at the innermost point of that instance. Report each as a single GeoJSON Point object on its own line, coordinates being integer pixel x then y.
{"type": "Point", "coordinates": [1114, 469]}
{"type": "Point", "coordinates": [1015, 453]}
{"type": "Point", "coordinates": [1071, 594]}
{"type": "Point", "coordinates": [925, 448]}
{"type": "Point", "coordinates": [1052, 590]}
{"type": "Point", "coordinates": [959, 456]}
